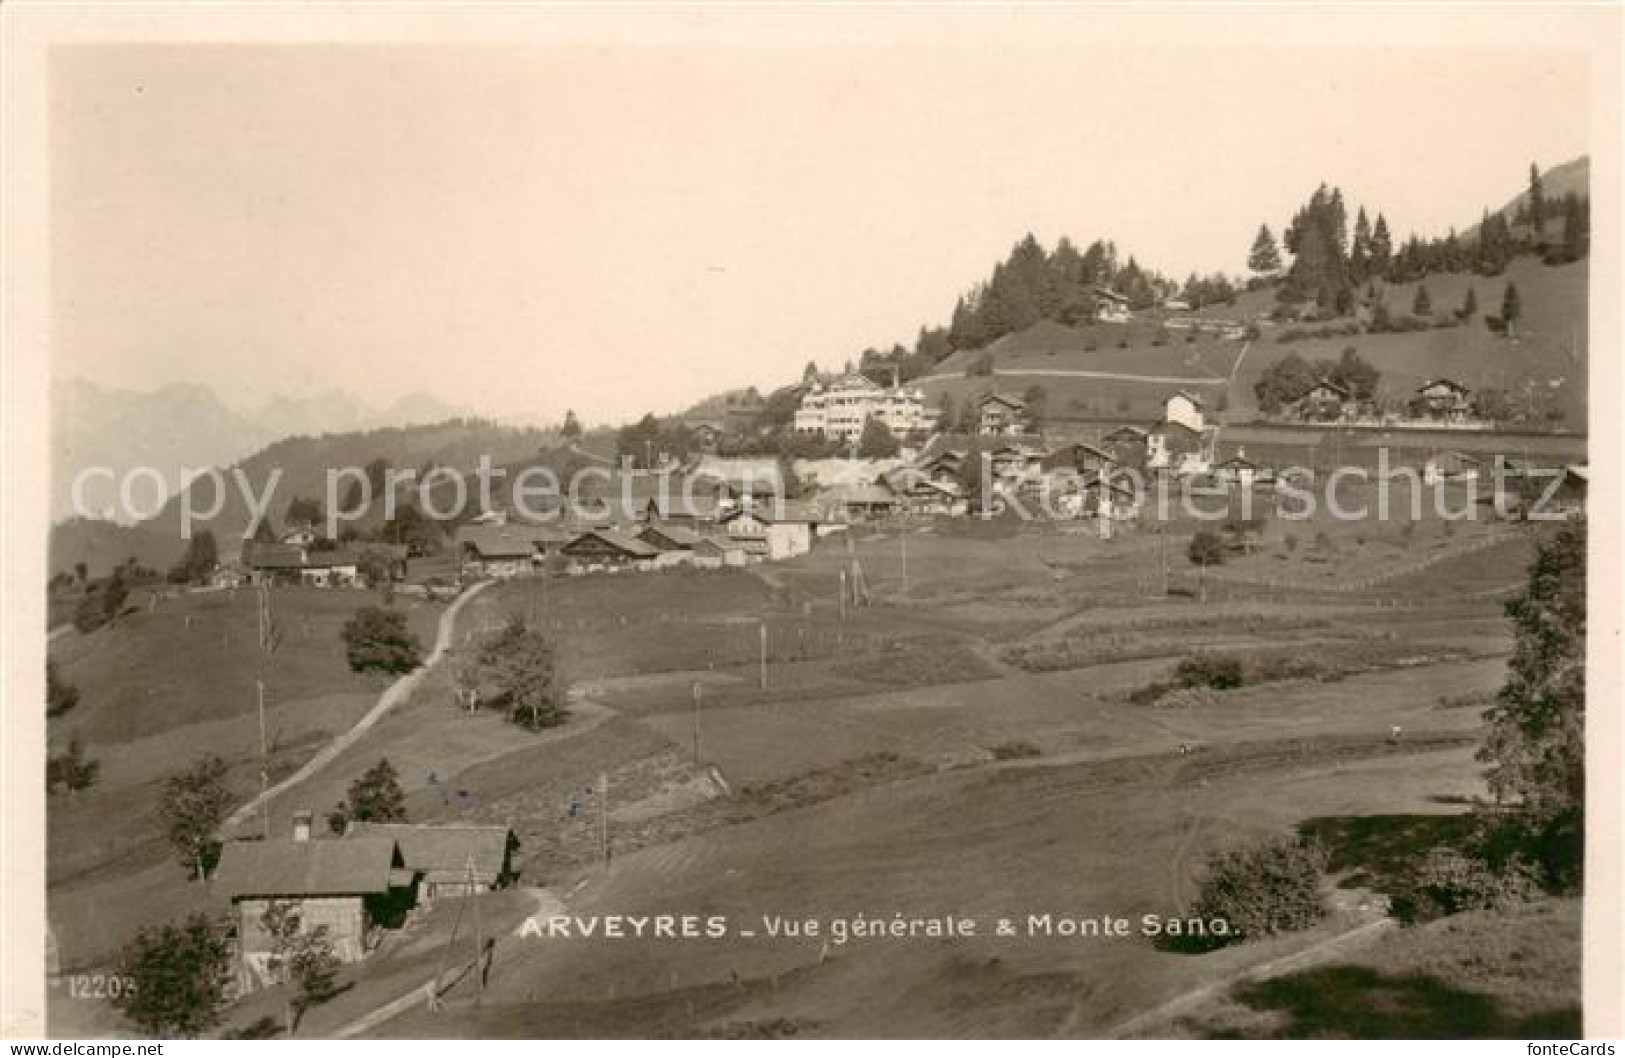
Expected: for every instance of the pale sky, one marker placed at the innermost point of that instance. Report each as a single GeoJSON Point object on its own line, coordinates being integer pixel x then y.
{"type": "Point", "coordinates": [616, 226]}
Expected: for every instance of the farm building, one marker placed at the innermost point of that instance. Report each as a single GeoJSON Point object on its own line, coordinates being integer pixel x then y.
{"type": "Point", "coordinates": [663, 536]}
{"type": "Point", "coordinates": [715, 552]}
{"type": "Point", "coordinates": [447, 859]}
{"type": "Point", "coordinates": [498, 549]}
{"type": "Point", "coordinates": [287, 564]}
{"type": "Point", "coordinates": [598, 549]}
{"type": "Point", "coordinates": [352, 887]}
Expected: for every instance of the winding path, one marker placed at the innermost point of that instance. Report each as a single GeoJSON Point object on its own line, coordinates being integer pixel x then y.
{"type": "Point", "coordinates": [393, 695]}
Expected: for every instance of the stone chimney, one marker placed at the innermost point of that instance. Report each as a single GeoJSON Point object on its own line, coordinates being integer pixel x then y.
{"type": "Point", "coordinates": [301, 824]}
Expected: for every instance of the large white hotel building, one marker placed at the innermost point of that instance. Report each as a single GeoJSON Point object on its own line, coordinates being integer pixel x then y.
{"type": "Point", "coordinates": [840, 407]}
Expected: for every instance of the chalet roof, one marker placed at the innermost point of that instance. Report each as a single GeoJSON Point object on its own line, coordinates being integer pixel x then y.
{"type": "Point", "coordinates": [1448, 383]}
{"type": "Point", "coordinates": [351, 867]}
{"type": "Point", "coordinates": [629, 545]}
{"type": "Point", "coordinates": [1192, 397]}
{"type": "Point", "coordinates": [1136, 432]}
{"type": "Point", "coordinates": [1067, 454]}
{"type": "Point", "coordinates": [491, 541]}
{"type": "Point", "coordinates": [1326, 383]}
{"type": "Point", "coordinates": [1007, 399]}
{"type": "Point", "coordinates": [1238, 462]}
{"type": "Point", "coordinates": [1110, 295]}
{"type": "Point", "coordinates": [441, 851]}
{"type": "Point", "coordinates": [679, 536]}
{"type": "Point", "coordinates": [780, 511]}
{"type": "Point", "coordinates": [861, 494]}
{"type": "Point", "coordinates": [277, 556]}
{"type": "Point", "coordinates": [681, 504]}
{"type": "Point", "coordinates": [716, 544]}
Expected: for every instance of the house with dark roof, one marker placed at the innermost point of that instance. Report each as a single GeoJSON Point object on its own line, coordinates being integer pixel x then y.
{"type": "Point", "coordinates": [1126, 445]}
{"type": "Point", "coordinates": [448, 859]}
{"type": "Point", "coordinates": [1238, 470]}
{"type": "Point", "coordinates": [1175, 447]}
{"type": "Point", "coordinates": [1080, 456]}
{"type": "Point", "coordinates": [1001, 414]}
{"type": "Point", "coordinates": [1442, 399]}
{"type": "Point", "coordinates": [664, 536]}
{"type": "Point", "coordinates": [1325, 401]}
{"type": "Point", "coordinates": [288, 564]}
{"type": "Point", "coordinates": [607, 549]}
{"type": "Point", "coordinates": [350, 887]}
{"type": "Point", "coordinates": [505, 549]}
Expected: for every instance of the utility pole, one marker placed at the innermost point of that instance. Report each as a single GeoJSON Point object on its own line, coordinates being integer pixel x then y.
{"type": "Point", "coordinates": [265, 767]}
{"type": "Point", "coordinates": [1162, 556]}
{"type": "Point", "coordinates": [479, 932]}
{"type": "Point", "coordinates": [696, 725]}
{"type": "Point", "coordinates": [603, 816]}
{"type": "Point", "coordinates": [902, 538]}
{"type": "Point", "coordinates": [764, 655]}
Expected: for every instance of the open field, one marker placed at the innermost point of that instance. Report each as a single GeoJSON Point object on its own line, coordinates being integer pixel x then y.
{"type": "Point", "coordinates": [899, 761]}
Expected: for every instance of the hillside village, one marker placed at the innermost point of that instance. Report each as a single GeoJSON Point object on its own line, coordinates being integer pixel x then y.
{"type": "Point", "coordinates": [800, 653]}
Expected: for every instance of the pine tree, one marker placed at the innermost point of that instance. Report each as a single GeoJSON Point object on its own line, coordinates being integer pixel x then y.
{"type": "Point", "coordinates": [1382, 247]}
{"type": "Point", "coordinates": [1265, 258]}
{"type": "Point", "coordinates": [1511, 308]}
{"type": "Point", "coordinates": [1469, 304]}
{"type": "Point", "coordinates": [1423, 305]}
{"type": "Point", "coordinates": [1537, 204]}
{"type": "Point", "coordinates": [1360, 251]}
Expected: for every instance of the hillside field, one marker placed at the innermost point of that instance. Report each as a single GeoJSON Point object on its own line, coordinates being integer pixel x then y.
{"type": "Point", "coordinates": [1548, 354]}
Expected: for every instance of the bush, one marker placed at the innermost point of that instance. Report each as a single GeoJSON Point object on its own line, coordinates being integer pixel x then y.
{"type": "Point", "coordinates": [1448, 882]}
{"type": "Point", "coordinates": [1211, 671]}
{"type": "Point", "coordinates": [377, 638]}
{"type": "Point", "coordinates": [1267, 887]}
{"type": "Point", "coordinates": [1015, 750]}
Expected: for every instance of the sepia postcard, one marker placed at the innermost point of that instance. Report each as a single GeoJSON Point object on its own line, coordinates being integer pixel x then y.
{"type": "Point", "coordinates": [675, 522]}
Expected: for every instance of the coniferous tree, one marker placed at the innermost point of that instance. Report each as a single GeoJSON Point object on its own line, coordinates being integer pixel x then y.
{"type": "Point", "coordinates": [1537, 204]}
{"type": "Point", "coordinates": [1511, 309]}
{"type": "Point", "coordinates": [1469, 304]}
{"type": "Point", "coordinates": [1423, 304]}
{"type": "Point", "coordinates": [1360, 249]}
{"type": "Point", "coordinates": [1265, 258]}
{"type": "Point", "coordinates": [1382, 247]}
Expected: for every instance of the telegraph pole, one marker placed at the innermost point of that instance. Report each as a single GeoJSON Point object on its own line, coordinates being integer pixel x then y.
{"type": "Point", "coordinates": [603, 816]}
{"type": "Point", "coordinates": [764, 655]}
{"type": "Point", "coordinates": [265, 767]}
{"type": "Point", "coordinates": [696, 725]}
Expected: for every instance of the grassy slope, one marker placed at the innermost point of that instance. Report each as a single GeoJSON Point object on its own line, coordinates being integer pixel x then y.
{"type": "Point", "coordinates": [1554, 326]}
{"type": "Point", "coordinates": [156, 692]}
{"type": "Point", "coordinates": [1483, 974]}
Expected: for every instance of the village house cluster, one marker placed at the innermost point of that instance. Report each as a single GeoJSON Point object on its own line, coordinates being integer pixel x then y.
{"type": "Point", "coordinates": [715, 512]}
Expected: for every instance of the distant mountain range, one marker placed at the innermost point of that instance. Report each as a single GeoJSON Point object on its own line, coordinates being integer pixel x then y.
{"type": "Point", "coordinates": [182, 426]}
